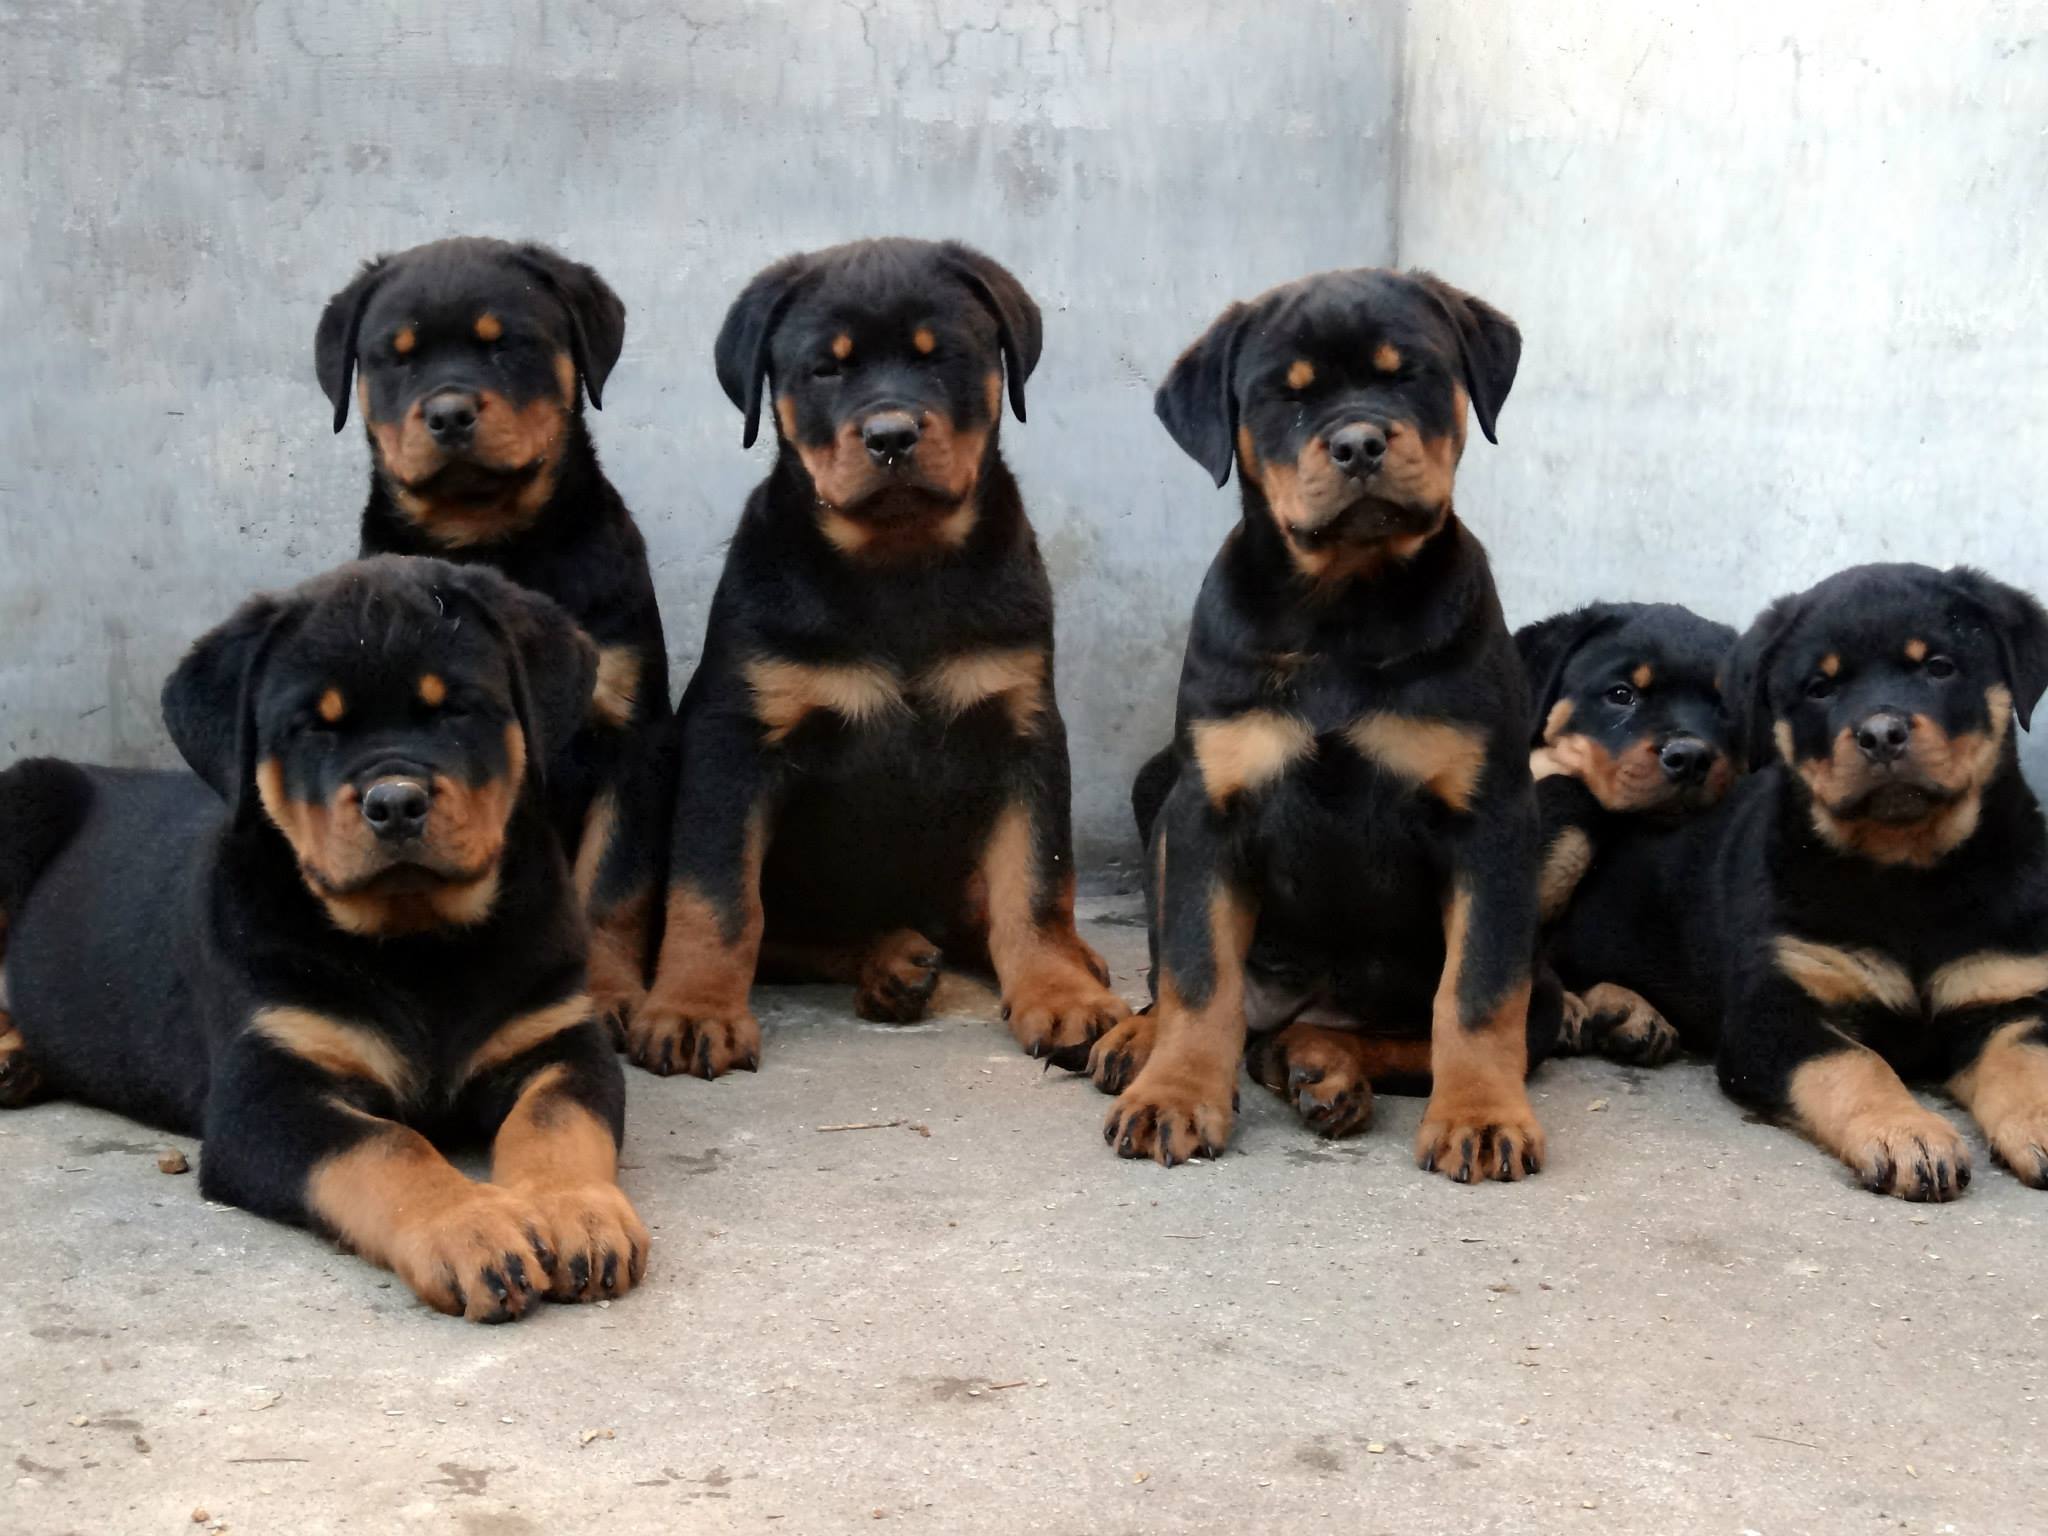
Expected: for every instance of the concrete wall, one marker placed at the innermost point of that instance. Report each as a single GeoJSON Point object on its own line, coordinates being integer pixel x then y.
{"type": "Point", "coordinates": [1779, 270]}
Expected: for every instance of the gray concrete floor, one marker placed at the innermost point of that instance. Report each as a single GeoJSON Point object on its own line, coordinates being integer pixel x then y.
{"type": "Point", "coordinates": [1689, 1322]}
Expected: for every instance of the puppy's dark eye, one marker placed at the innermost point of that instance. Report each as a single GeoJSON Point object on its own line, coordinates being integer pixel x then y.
{"type": "Point", "coordinates": [828, 368]}
{"type": "Point", "coordinates": [1621, 696]}
{"type": "Point", "coordinates": [1939, 667]}
{"type": "Point", "coordinates": [1820, 687]}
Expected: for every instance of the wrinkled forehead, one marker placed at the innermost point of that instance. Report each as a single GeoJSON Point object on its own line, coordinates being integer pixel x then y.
{"type": "Point", "coordinates": [372, 635]}
{"type": "Point", "coordinates": [878, 290]}
{"type": "Point", "coordinates": [1884, 618]}
{"type": "Point", "coordinates": [1339, 313]}
{"type": "Point", "coordinates": [454, 285]}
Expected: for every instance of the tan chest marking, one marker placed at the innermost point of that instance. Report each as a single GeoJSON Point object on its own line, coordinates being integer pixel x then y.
{"type": "Point", "coordinates": [338, 1047]}
{"type": "Point", "coordinates": [1017, 677]}
{"type": "Point", "coordinates": [1248, 751]}
{"type": "Point", "coordinates": [786, 693]}
{"type": "Point", "coordinates": [1986, 979]}
{"type": "Point", "coordinates": [618, 684]}
{"type": "Point", "coordinates": [520, 1034]}
{"type": "Point", "coordinates": [1444, 758]}
{"type": "Point", "coordinates": [1839, 978]}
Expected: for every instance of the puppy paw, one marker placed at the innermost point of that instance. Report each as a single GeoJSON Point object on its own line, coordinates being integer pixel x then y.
{"type": "Point", "coordinates": [1913, 1153]}
{"type": "Point", "coordinates": [1058, 1010]}
{"type": "Point", "coordinates": [614, 1006]}
{"type": "Point", "coordinates": [1571, 1024]}
{"type": "Point", "coordinates": [897, 978]}
{"type": "Point", "coordinates": [486, 1256]}
{"type": "Point", "coordinates": [20, 1082]}
{"type": "Point", "coordinates": [701, 1042]}
{"type": "Point", "coordinates": [1477, 1137]}
{"type": "Point", "coordinates": [1173, 1112]}
{"type": "Point", "coordinates": [1322, 1073]}
{"type": "Point", "coordinates": [600, 1243]}
{"type": "Point", "coordinates": [1116, 1059]}
{"type": "Point", "coordinates": [1622, 1026]}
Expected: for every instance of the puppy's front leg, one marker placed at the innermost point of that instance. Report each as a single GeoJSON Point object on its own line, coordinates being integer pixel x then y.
{"type": "Point", "coordinates": [1479, 1123]}
{"type": "Point", "coordinates": [1055, 987]}
{"type": "Point", "coordinates": [697, 1018]}
{"type": "Point", "coordinates": [1184, 1100]}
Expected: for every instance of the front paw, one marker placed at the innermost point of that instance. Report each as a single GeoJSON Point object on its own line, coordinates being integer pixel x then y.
{"type": "Point", "coordinates": [1058, 1010]}
{"type": "Point", "coordinates": [614, 1007]}
{"type": "Point", "coordinates": [600, 1243]}
{"type": "Point", "coordinates": [1321, 1073]}
{"type": "Point", "coordinates": [1624, 1027]}
{"type": "Point", "coordinates": [2020, 1141]}
{"type": "Point", "coordinates": [485, 1256]}
{"type": "Point", "coordinates": [20, 1082]}
{"type": "Point", "coordinates": [1477, 1136]}
{"type": "Point", "coordinates": [1914, 1154]}
{"type": "Point", "coordinates": [1116, 1059]}
{"type": "Point", "coordinates": [704, 1042]}
{"type": "Point", "coordinates": [1173, 1112]}
{"type": "Point", "coordinates": [897, 979]}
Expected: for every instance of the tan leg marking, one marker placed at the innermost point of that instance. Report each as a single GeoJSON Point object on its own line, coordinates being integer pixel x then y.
{"type": "Point", "coordinates": [2006, 1092]}
{"type": "Point", "coordinates": [1565, 863]}
{"type": "Point", "coordinates": [1853, 1104]}
{"type": "Point", "coordinates": [1055, 987]}
{"type": "Point", "coordinates": [696, 1017]}
{"type": "Point", "coordinates": [1479, 1124]}
{"type": "Point", "coordinates": [556, 1154]}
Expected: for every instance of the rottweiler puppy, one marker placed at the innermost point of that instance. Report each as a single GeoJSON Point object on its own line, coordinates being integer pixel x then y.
{"type": "Point", "coordinates": [1870, 906]}
{"type": "Point", "coordinates": [874, 769]}
{"type": "Point", "coordinates": [1631, 724]}
{"type": "Point", "coordinates": [351, 938]}
{"type": "Point", "coordinates": [1341, 841]}
{"type": "Point", "coordinates": [471, 360]}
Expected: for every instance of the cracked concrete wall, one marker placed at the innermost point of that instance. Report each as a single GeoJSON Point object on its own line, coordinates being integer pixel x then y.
{"type": "Point", "coordinates": [187, 180]}
{"type": "Point", "coordinates": [1781, 279]}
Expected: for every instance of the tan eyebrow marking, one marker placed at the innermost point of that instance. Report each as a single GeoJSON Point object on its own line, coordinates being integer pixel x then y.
{"type": "Point", "coordinates": [433, 692]}
{"type": "Point", "coordinates": [842, 346]}
{"type": "Point", "coordinates": [489, 327]}
{"type": "Point", "coordinates": [1831, 664]}
{"type": "Point", "coordinates": [1642, 676]}
{"type": "Point", "coordinates": [404, 341]}
{"type": "Point", "coordinates": [1301, 374]}
{"type": "Point", "coordinates": [1388, 358]}
{"type": "Point", "coordinates": [332, 706]}
{"type": "Point", "coordinates": [923, 339]}
{"type": "Point", "coordinates": [1916, 650]}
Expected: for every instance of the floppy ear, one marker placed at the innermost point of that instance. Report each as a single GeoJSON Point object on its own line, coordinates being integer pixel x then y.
{"type": "Point", "coordinates": [1018, 327]}
{"type": "Point", "coordinates": [1745, 686]}
{"type": "Point", "coordinates": [1198, 402]}
{"type": "Point", "coordinates": [741, 352]}
{"type": "Point", "coordinates": [2021, 628]}
{"type": "Point", "coordinates": [1547, 647]}
{"type": "Point", "coordinates": [597, 318]}
{"type": "Point", "coordinates": [554, 663]}
{"type": "Point", "coordinates": [334, 339]}
{"type": "Point", "coordinates": [1489, 345]}
{"type": "Point", "coordinates": [209, 699]}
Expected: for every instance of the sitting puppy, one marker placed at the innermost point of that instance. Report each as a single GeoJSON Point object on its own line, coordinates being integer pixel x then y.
{"type": "Point", "coordinates": [1628, 696]}
{"type": "Point", "coordinates": [1341, 842]}
{"type": "Point", "coordinates": [1871, 903]}
{"type": "Point", "coordinates": [874, 769]}
{"type": "Point", "coordinates": [471, 360]}
{"type": "Point", "coordinates": [356, 933]}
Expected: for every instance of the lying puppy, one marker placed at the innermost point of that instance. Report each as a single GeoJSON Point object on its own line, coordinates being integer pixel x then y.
{"type": "Point", "coordinates": [873, 764]}
{"type": "Point", "coordinates": [1341, 842]}
{"type": "Point", "coordinates": [1871, 904]}
{"type": "Point", "coordinates": [471, 360]}
{"type": "Point", "coordinates": [1628, 696]}
{"type": "Point", "coordinates": [355, 934]}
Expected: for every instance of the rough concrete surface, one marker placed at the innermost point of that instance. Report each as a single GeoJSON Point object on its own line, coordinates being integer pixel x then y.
{"type": "Point", "coordinates": [1688, 1323]}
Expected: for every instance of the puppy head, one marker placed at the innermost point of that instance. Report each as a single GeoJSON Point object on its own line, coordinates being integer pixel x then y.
{"type": "Point", "coordinates": [1342, 398]}
{"type": "Point", "coordinates": [470, 357]}
{"type": "Point", "coordinates": [1890, 691]}
{"type": "Point", "coordinates": [1628, 700]}
{"type": "Point", "coordinates": [885, 361]}
{"type": "Point", "coordinates": [384, 719]}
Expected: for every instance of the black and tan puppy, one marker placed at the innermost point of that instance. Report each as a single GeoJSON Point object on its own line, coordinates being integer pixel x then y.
{"type": "Point", "coordinates": [1870, 906]}
{"type": "Point", "coordinates": [1341, 840]}
{"type": "Point", "coordinates": [471, 359]}
{"type": "Point", "coordinates": [351, 938]}
{"type": "Point", "coordinates": [1631, 724]}
{"type": "Point", "coordinates": [874, 770]}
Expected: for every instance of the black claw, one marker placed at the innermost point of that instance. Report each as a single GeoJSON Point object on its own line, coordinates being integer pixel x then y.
{"type": "Point", "coordinates": [704, 1056]}
{"type": "Point", "coordinates": [461, 1297]}
{"type": "Point", "coordinates": [668, 1057]}
{"type": "Point", "coordinates": [542, 1252]}
{"type": "Point", "coordinates": [1507, 1159]}
{"type": "Point", "coordinates": [1429, 1161]}
{"type": "Point", "coordinates": [609, 1279]}
{"type": "Point", "coordinates": [579, 1273]}
{"type": "Point", "coordinates": [515, 1266]}
{"type": "Point", "coordinates": [1109, 1132]}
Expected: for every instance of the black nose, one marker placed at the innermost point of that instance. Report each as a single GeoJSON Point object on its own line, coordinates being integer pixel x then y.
{"type": "Point", "coordinates": [1883, 736]}
{"type": "Point", "coordinates": [450, 415]}
{"type": "Point", "coordinates": [1358, 448]}
{"type": "Point", "coordinates": [1686, 759]}
{"type": "Point", "coordinates": [889, 435]}
{"type": "Point", "coordinates": [396, 809]}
